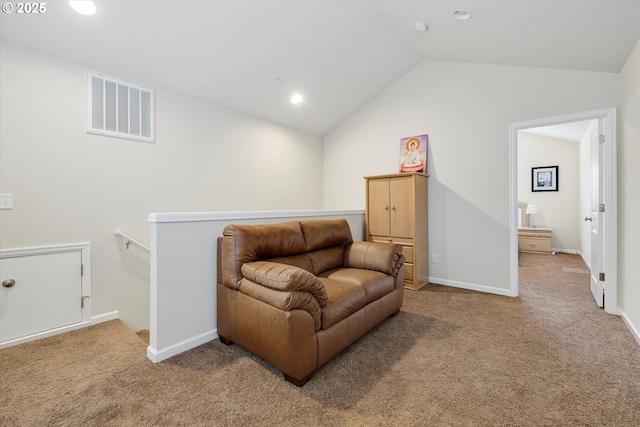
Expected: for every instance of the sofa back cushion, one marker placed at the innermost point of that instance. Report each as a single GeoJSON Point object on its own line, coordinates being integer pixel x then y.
{"type": "Point", "coordinates": [249, 243]}
{"type": "Point", "coordinates": [302, 261]}
{"type": "Point", "coordinates": [313, 245]}
{"type": "Point", "coordinates": [326, 259]}
{"type": "Point", "coordinates": [325, 233]}
{"type": "Point", "coordinates": [325, 242]}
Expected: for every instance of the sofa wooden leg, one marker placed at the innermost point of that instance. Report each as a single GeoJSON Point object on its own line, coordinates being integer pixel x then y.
{"type": "Point", "coordinates": [225, 341]}
{"type": "Point", "coordinates": [298, 382]}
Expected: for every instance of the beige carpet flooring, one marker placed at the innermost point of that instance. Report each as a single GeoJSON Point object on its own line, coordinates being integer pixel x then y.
{"type": "Point", "coordinates": [450, 358]}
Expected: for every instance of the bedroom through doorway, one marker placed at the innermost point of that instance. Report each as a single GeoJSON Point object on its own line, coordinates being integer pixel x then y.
{"type": "Point", "coordinates": [562, 178]}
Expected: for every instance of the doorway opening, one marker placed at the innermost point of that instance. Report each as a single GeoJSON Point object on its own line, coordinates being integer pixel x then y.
{"type": "Point", "coordinates": [561, 207]}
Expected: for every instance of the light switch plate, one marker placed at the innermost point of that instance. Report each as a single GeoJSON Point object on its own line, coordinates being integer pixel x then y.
{"type": "Point", "coordinates": [6, 201]}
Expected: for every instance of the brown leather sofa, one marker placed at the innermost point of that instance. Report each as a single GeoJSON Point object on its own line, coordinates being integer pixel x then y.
{"type": "Point", "coordinates": [297, 293]}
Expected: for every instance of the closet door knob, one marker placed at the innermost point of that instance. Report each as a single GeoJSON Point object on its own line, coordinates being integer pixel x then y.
{"type": "Point", "coordinates": [8, 283]}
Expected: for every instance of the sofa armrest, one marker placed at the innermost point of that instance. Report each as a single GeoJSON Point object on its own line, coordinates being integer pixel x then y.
{"type": "Point", "coordinates": [284, 300]}
{"type": "Point", "coordinates": [286, 278]}
{"type": "Point", "coordinates": [383, 257]}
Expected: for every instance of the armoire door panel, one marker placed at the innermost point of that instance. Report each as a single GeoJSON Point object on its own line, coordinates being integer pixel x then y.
{"type": "Point", "coordinates": [402, 210]}
{"type": "Point", "coordinates": [378, 208]}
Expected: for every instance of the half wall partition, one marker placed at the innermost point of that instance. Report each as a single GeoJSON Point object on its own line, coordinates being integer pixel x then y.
{"type": "Point", "coordinates": [183, 272]}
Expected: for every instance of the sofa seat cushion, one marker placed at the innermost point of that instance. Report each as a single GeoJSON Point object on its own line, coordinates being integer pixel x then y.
{"type": "Point", "coordinates": [374, 283]}
{"type": "Point", "coordinates": [344, 298]}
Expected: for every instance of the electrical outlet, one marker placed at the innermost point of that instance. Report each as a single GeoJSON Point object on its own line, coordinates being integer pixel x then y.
{"type": "Point", "coordinates": [6, 201]}
{"type": "Point", "coordinates": [434, 258]}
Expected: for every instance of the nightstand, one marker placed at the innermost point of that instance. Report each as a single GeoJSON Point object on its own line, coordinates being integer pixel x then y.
{"type": "Point", "coordinates": [534, 239]}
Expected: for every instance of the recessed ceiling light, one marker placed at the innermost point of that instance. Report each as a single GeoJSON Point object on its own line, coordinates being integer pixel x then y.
{"type": "Point", "coordinates": [83, 7]}
{"type": "Point", "coordinates": [461, 14]}
{"type": "Point", "coordinates": [297, 98]}
{"type": "Point", "coordinates": [420, 26]}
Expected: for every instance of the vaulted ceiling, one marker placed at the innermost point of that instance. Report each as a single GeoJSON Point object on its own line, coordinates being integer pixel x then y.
{"type": "Point", "coordinates": [251, 56]}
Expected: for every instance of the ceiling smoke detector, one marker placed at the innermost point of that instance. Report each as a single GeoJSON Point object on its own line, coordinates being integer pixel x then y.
{"type": "Point", "coordinates": [461, 14]}
{"type": "Point", "coordinates": [420, 26]}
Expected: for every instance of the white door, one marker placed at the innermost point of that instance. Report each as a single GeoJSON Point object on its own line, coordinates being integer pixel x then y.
{"type": "Point", "coordinates": [597, 248]}
{"type": "Point", "coordinates": [39, 293]}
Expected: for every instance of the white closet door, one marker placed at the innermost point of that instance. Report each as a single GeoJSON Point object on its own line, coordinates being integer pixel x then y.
{"type": "Point", "coordinates": [45, 294]}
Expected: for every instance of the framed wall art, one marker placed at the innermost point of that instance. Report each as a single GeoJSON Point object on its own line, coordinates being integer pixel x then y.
{"type": "Point", "coordinates": [413, 153]}
{"type": "Point", "coordinates": [544, 178]}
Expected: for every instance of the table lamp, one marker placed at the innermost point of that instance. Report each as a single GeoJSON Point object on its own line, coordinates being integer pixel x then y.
{"type": "Point", "coordinates": [531, 209]}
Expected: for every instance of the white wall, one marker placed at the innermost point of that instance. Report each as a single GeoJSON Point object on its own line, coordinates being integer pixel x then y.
{"type": "Point", "coordinates": [73, 187]}
{"type": "Point", "coordinates": [70, 186]}
{"type": "Point", "coordinates": [466, 109]}
{"type": "Point", "coordinates": [629, 196]}
{"type": "Point", "coordinates": [558, 210]}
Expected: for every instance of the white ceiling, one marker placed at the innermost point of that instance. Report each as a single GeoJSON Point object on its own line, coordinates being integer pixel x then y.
{"type": "Point", "coordinates": [572, 131]}
{"type": "Point", "coordinates": [337, 54]}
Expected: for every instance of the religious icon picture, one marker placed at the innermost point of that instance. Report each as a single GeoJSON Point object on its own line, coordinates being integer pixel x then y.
{"type": "Point", "coordinates": [413, 153]}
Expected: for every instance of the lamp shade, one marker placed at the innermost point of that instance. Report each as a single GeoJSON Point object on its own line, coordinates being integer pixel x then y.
{"type": "Point", "coordinates": [531, 209]}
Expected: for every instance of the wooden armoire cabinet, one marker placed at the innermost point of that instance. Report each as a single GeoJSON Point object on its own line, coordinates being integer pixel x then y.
{"type": "Point", "coordinates": [396, 211]}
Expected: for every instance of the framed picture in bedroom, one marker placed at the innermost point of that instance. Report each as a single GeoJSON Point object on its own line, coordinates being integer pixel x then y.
{"type": "Point", "coordinates": [544, 178]}
{"type": "Point", "coordinates": [413, 154]}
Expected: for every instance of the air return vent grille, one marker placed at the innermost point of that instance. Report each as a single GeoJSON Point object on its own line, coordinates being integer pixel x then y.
{"type": "Point", "coordinates": [120, 109]}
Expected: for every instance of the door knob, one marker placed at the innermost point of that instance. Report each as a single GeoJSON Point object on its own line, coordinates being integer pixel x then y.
{"type": "Point", "coordinates": [8, 283]}
{"type": "Point", "coordinates": [588, 218]}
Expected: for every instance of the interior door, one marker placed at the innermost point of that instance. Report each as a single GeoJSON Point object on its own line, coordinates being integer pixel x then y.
{"type": "Point", "coordinates": [597, 246]}
{"type": "Point", "coordinates": [39, 293]}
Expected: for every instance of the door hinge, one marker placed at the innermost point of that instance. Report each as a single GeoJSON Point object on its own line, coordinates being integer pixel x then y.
{"type": "Point", "coordinates": [601, 139]}
{"type": "Point", "coordinates": [601, 277]}
{"type": "Point", "coordinates": [82, 298]}
{"type": "Point", "coordinates": [81, 270]}
{"type": "Point", "coordinates": [601, 207]}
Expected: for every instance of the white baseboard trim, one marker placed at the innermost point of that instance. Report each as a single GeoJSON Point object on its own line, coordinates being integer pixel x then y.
{"type": "Point", "coordinates": [472, 287]}
{"type": "Point", "coordinates": [634, 330]}
{"type": "Point", "coordinates": [61, 330]}
{"type": "Point", "coordinates": [44, 334]}
{"type": "Point", "coordinates": [586, 261]}
{"type": "Point", "coordinates": [565, 251]}
{"type": "Point", "coordinates": [105, 317]}
{"type": "Point", "coordinates": [163, 354]}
